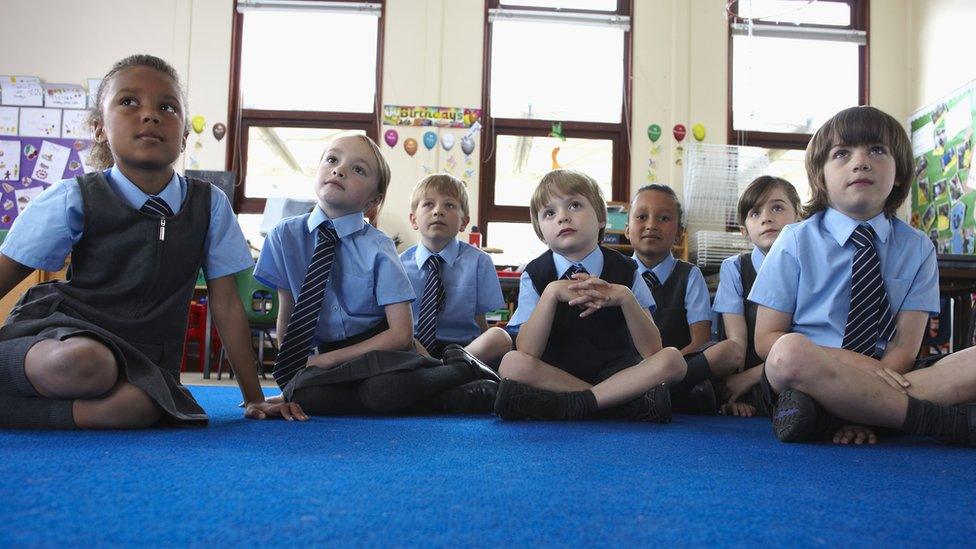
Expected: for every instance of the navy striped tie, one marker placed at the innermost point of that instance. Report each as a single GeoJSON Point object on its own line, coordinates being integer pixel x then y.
{"type": "Point", "coordinates": [431, 302]}
{"type": "Point", "coordinates": [574, 269]}
{"type": "Point", "coordinates": [156, 206]}
{"type": "Point", "coordinates": [293, 355]}
{"type": "Point", "coordinates": [651, 280]}
{"type": "Point", "coordinates": [870, 318]}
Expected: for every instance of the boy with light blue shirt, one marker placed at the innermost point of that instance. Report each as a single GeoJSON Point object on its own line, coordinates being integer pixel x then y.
{"type": "Point", "coordinates": [455, 293]}
{"type": "Point", "coordinates": [345, 327]}
{"type": "Point", "coordinates": [844, 298]}
{"type": "Point", "coordinates": [586, 346]}
{"type": "Point", "coordinates": [766, 206]}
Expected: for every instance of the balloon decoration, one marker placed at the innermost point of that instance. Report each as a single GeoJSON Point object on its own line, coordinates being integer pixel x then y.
{"type": "Point", "coordinates": [679, 132]}
{"type": "Point", "coordinates": [698, 132]}
{"type": "Point", "coordinates": [198, 123]}
{"type": "Point", "coordinates": [447, 141]}
{"type": "Point", "coordinates": [467, 145]}
{"type": "Point", "coordinates": [654, 132]}
{"type": "Point", "coordinates": [410, 145]}
{"type": "Point", "coordinates": [219, 130]}
{"type": "Point", "coordinates": [430, 140]}
{"type": "Point", "coordinates": [391, 137]}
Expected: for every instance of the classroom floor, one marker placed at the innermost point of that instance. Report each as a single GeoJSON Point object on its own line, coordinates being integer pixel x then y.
{"type": "Point", "coordinates": [476, 481]}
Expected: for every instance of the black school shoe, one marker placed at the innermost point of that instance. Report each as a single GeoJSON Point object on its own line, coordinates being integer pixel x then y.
{"type": "Point", "coordinates": [700, 399]}
{"type": "Point", "coordinates": [797, 417]}
{"type": "Point", "coordinates": [653, 406]}
{"type": "Point", "coordinates": [456, 353]}
{"type": "Point", "coordinates": [476, 397]}
{"type": "Point", "coordinates": [520, 401]}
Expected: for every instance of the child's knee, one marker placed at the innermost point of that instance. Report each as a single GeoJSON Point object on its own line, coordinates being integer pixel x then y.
{"type": "Point", "coordinates": [673, 363]}
{"type": "Point", "coordinates": [499, 338]}
{"type": "Point", "coordinates": [78, 367]}
{"type": "Point", "coordinates": [516, 365]}
{"type": "Point", "coordinates": [785, 362]}
{"type": "Point", "coordinates": [729, 352]}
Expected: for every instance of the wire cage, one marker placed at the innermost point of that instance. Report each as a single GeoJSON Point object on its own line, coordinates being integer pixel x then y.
{"type": "Point", "coordinates": [708, 249]}
{"type": "Point", "coordinates": [714, 177]}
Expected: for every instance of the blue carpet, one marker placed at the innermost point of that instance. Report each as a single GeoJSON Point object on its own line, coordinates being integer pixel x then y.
{"type": "Point", "coordinates": [439, 481]}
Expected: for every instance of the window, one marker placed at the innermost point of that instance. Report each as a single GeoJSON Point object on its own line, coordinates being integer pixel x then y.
{"type": "Point", "coordinates": [533, 81]}
{"type": "Point", "coordinates": [285, 105]}
{"type": "Point", "coordinates": [779, 54]}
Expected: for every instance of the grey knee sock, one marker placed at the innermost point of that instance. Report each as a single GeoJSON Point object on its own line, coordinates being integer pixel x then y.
{"type": "Point", "coordinates": [13, 378]}
{"type": "Point", "coordinates": [698, 370]}
{"type": "Point", "coordinates": [35, 413]}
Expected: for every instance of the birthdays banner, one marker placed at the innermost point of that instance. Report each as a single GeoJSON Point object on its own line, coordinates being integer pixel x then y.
{"type": "Point", "coordinates": [28, 165]}
{"type": "Point", "coordinates": [440, 117]}
{"type": "Point", "coordinates": [944, 189]}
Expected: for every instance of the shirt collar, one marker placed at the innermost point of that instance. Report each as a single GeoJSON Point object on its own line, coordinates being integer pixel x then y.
{"type": "Point", "coordinates": [662, 270]}
{"type": "Point", "coordinates": [172, 193]}
{"type": "Point", "coordinates": [841, 227]}
{"type": "Point", "coordinates": [344, 226]}
{"type": "Point", "coordinates": [593, 263]}
{"type": "Point", "coordinates": [757, 258]}
{"type": "Point", "coordinates": [448, 254]}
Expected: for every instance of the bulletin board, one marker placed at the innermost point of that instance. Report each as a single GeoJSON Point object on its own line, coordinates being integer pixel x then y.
{"type": "Point", "coordinates": [44, 138]}
{"type": "Point", "coordinates": [944, 189]}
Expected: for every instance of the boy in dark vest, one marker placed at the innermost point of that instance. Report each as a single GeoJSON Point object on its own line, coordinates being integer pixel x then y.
{"type": "Point", "coordinates": [766, 206]}
{"type": "Point", "coordinates": [683, 313]}
{"type": "Point", "coordinates": [586, 346]}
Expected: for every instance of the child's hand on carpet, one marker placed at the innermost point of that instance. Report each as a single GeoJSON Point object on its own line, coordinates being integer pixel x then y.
{"type": "Point", "coordinates": [738, 409]}
{"type": "Point", "coordinates": [263, 410]}
{"type": "Point", "coordinates": [858, 434]}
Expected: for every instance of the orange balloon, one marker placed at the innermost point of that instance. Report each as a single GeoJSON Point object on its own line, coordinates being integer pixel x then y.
{"type": "Point", "coordinates": [410, 145]}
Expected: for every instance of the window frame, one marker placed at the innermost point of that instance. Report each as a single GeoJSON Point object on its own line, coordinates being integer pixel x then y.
{"type": "Point", "coordinates": [617, 133]}
{"type": "Point", "coordinates": [240, 120]}
{"type": "Point", "coordinates": [780, 140]}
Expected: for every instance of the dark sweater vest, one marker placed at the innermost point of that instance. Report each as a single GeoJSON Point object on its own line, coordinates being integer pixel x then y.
{"type": "Point", "coordinates": [748, 274]}
{"type": "Point", "coordinates": [126, 279]}
{"type": "Point", "coordinates": [585, 346]}
{"type": "Point", "coordinates": [671, 316]}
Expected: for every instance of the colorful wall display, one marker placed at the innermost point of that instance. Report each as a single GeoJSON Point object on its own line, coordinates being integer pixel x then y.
{"type": "Point", "coordinates": [944, 189]}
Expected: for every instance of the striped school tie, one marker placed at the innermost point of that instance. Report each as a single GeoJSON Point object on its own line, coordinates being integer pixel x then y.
{"type": "Point", "coordinates": [156, 206]}
{"type": "Point", "coordinates": [574, 269]}
{"type": "Point", "coordinates": [293, 355]}
{"type": "Point", "coordinates": [870, 318]}
{"type": "Point", "coordinates": [431, 302]}
{"type": "Point", "coordinates": [651, 280]}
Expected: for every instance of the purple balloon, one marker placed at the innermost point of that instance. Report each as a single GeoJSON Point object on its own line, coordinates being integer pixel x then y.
{"type": "Point", "coordinates": [391, 137]}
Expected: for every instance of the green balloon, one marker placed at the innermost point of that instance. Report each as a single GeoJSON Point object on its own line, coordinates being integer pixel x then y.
{"type": "Point", "coordinates": [654, 132]}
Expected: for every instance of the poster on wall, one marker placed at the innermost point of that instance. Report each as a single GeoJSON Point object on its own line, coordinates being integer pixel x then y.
{"type": "Point", "coordinates": [28, 165]}
{"type": "Point", "coordinates": [439, 117]}
{"type": "Point", "coordinates": [944, 189]}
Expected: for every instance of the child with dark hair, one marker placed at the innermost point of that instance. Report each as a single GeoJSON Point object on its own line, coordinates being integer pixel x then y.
{"type": "Point", "coordinates": [766, 206]}
{"type": "Point", "coordinates": [103, 350]}
{"type": "Point", "coordinates": [683, 309]}
{"type": "Point", "coordinates": [844, 298]}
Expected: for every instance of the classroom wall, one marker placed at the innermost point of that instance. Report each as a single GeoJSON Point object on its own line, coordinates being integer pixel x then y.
{"type": "Point", "coordinates": [940, 59]}
{"type": "Point", "coordinates": [433, 56]}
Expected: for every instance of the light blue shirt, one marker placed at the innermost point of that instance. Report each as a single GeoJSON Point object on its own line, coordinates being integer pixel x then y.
{"type": "Point", "coordinates": [470, 284]}
{"type": "Point", "coordinates": [44, 233]}
{"type": "Point", "coordinates": [729, 296]}
{"type": "Point", "coordinates": [697, 301]}
{"type": "Point", "coordinates": [366, 275]}
{"type": "Point", "coordinates": [807, 273]}
{"type": "Point", "coordinates": [529, 297]}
